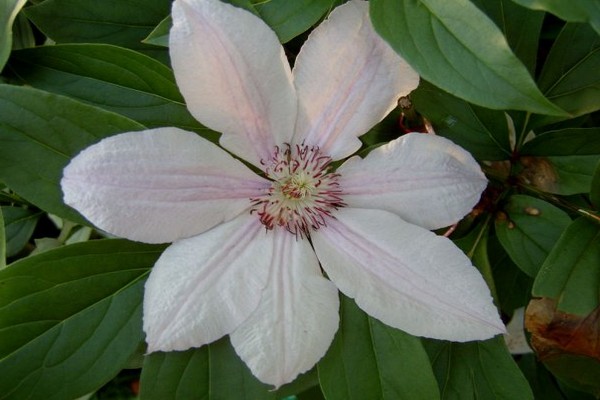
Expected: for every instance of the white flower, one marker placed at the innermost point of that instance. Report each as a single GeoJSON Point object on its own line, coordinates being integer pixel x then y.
{"type": "Point", "coordinates": [365, 225]}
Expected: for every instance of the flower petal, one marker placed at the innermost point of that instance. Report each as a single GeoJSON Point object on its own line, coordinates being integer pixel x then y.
{"type": "Point", "coordinates": [347, 79]}
{"type": "Point", "coordinates": [158, 185]}
{"type": "Point", "coordinates": [425, 179]}
{"type": "Point", "coordinates": [296, 319]}
{"type": "Point", "coordinates": [406, 276]}
{"type": "Point", "coordinates": [203, 287]}
{"type": "Point", "coordinates": [233, 74]}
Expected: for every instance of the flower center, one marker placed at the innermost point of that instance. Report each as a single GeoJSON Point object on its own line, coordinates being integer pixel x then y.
{"type": "Point", "coordinates": [303, 193]}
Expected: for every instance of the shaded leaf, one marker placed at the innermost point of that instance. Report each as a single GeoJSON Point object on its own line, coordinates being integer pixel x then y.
{"type": "Point", "coordinates": [39, 134]}
{"type": "Point", "coordinates": [19, 224]}
{"type": "Point", "coordinates": [572, 11]}
{"type": "Point", "coordinates": [124, 23]}
{"type": "Point", "coordinates": [291, 18]}
{"type": "Point", "coordinates": [542, 383]}
{"type": "Point", "coordinates": [571, 272]}
{"type": "Point", "coordinates": [564, 142]}
{"type": "Point", "coordinates": [160, 34]}
{"type": "Point", "coordinates": [595, 191]}
{"type": "Point", "coordinates": [23, 36]}
{"type": "Point", "coordinates": [369, 360]}
{"type": "Point", "coordinates": [477, 370]}
{"type": "Point", "coordinates": [70, 318]}
{"type": "Point", "coordinates": [109, 77]}
{"type": "Point", "coordinates": [570, 74]}
{"type": "Point", "coordinates": [2, 241]}
{"type": "Point", "coordinates": [8, 12]}
{"type": "Point", "coordinates": [483, 132]}
{"type": "Point", "coordinates": [458, 48]}
{"type": "Point", "coordinates": [532, 228]}
{"type": "Point", "coordinates": [211, 372]}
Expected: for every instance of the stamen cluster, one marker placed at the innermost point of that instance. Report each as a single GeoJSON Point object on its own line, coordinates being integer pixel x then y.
{"type": "Point", "coordinates": [303, 193]}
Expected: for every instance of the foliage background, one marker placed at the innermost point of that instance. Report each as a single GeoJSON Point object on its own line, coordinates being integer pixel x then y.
{"type": "Point", "coordinates": [515, 82]}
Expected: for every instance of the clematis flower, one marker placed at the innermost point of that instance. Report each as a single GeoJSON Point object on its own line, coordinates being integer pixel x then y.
{"type": "Point", "coordinates": [260, 249]}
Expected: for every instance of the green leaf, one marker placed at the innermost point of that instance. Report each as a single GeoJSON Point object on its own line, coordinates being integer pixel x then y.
{"type": "Point", "coordinates": [531, 230]}
{"type": "Point", "coordinates": [2, 241]}
{"type": "Point", "coordinates": [564, 142]}
{"type": "Point", "coordinates": [520, 26]}
{"type": "Point", "coordinates": [211, 372]}
{"type": "Point", "coordinates": [109, 77]}
{"type": "Point", "coordinates": [39, 134]}
{"type": "Point", "coordinates": [455, 46]}
{"type": "Point", "coordinates": [542, 383]}
{"type": "Point", "coordinates": [571, 272]}
{"type": "Point", "coordinates": [160, 34]}
{"type": "Point", "coordinates": [512, 285]}
{"type": "Point", "coordinates": [595, 191]}
{"type": "Point", "coordinates": [483, 132]}
{"type": "Point", "coordinates": [574, 173]}
{"type": "Point", "coordinates": [477, 370]}
{"type": "Point", "coordinates": [123, 23]}
{"type": "Point", "coordinates": [8, 12]}
{"type": "Point", "coordinates": [291, 18]}
{"type": "Point", "coordinates": [23, 36]}
{"type": "Point", "coordinates": [368, 360]}
{"type": "Point", "coordinates": [570, 74]}
{"type": "Point", "coordinates": [19, 224]}
{"type": "Point", "coordinates": [572, 10]}
{"type": "Point", "coordinates": [70, 318]}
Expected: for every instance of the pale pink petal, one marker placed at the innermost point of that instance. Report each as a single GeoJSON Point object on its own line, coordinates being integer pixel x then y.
{"type": "Point", "coordinates": [158, 185]}
{"type": "Point", "coordinates": [348, 79]}
{"type": "Point", "coordinates": [406, 276]}
{"type": "Point", "coordinates": [203, 287]}
{"type": "Point", "coordinates": [425, 179]}
{"type": "Point", "coordinates": [296, 319]}
{"type": "Point", "coordinates": [234, 76]}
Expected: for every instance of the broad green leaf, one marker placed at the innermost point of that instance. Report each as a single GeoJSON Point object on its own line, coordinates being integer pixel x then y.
{"type": "Point", "coordinates": [123, 23]}
{"type": "Point", "coordinates": [531, 230]}
{"type": "Point", "coordinates": [2, 241]}
{"type": "Point", "coordinates": [520, 26]}
{"type": "Point", "coordinates": [564, 142]}
{"type": "Point", "coordinates": [8, 12]}
{"type": "Point", "coordinates": [211, 372]}
{"type": "Point", "coordinates": [291, 18]}
{"type": "Point", "coordinates": [70, 318]}
{"type": "Point", "coordinates": [512, 285]}
{"type": "Point", "coordinates": [570, 74]}
{"type": "Point", "coordinates": [39, 134]}
{"type": "Point", "coordinates": [571, 272]}
{"type": "Point", "coordinates": [455, 46]}
{"type": "Point", "coordinates": [368, 360]}
{"type": "Point", "coordinates": [542, 383]}
{"type": "Point", "coordinates": [477, 370]}
{"type": "Point", "coordinates": [572, 10]}
{"type": "Point", "coordinates": [109, 77]}
{"type": "Point", "coordinates": [574, 173]}
{"type": "Point", "coordinates": [23, 36]}
{"type": "Point", "coordinates": [483, 132]}
{"type": "Point", "coordinates": [19, 224]}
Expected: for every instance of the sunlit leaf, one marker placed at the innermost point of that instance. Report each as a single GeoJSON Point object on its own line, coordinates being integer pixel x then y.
{"type": "Point", "coordinates": [211, 372]}
{"type": "Point", "coordinates": [124, 23]}
{"type": "Point", "coordinates": [39, 134]}
{"type": "Point", "coordinates": [483, 132]}
{"type": "Point", "coordinates": [571, 272]}
{"type": "Point", "coordinates": [19, 224]}
{"type": "Point", "coordinates": [71, 317]}
{"type": "Point", "coordinates": [109, 77]}
{"type": "Point", "coordinates": [477, 370]}
{"type": "Point", "coordinates": [520, 26]}
{"type": "Point", "coordinates": [368, 360]}
{"type": "Point", "coordinates": [455, 46]}
{"type": "Point", "coordinates": [8, 12]}
{"type": "Point", "coordinates": [572, 10]}
{"type": "Point", "coordinates": [530, 230]}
